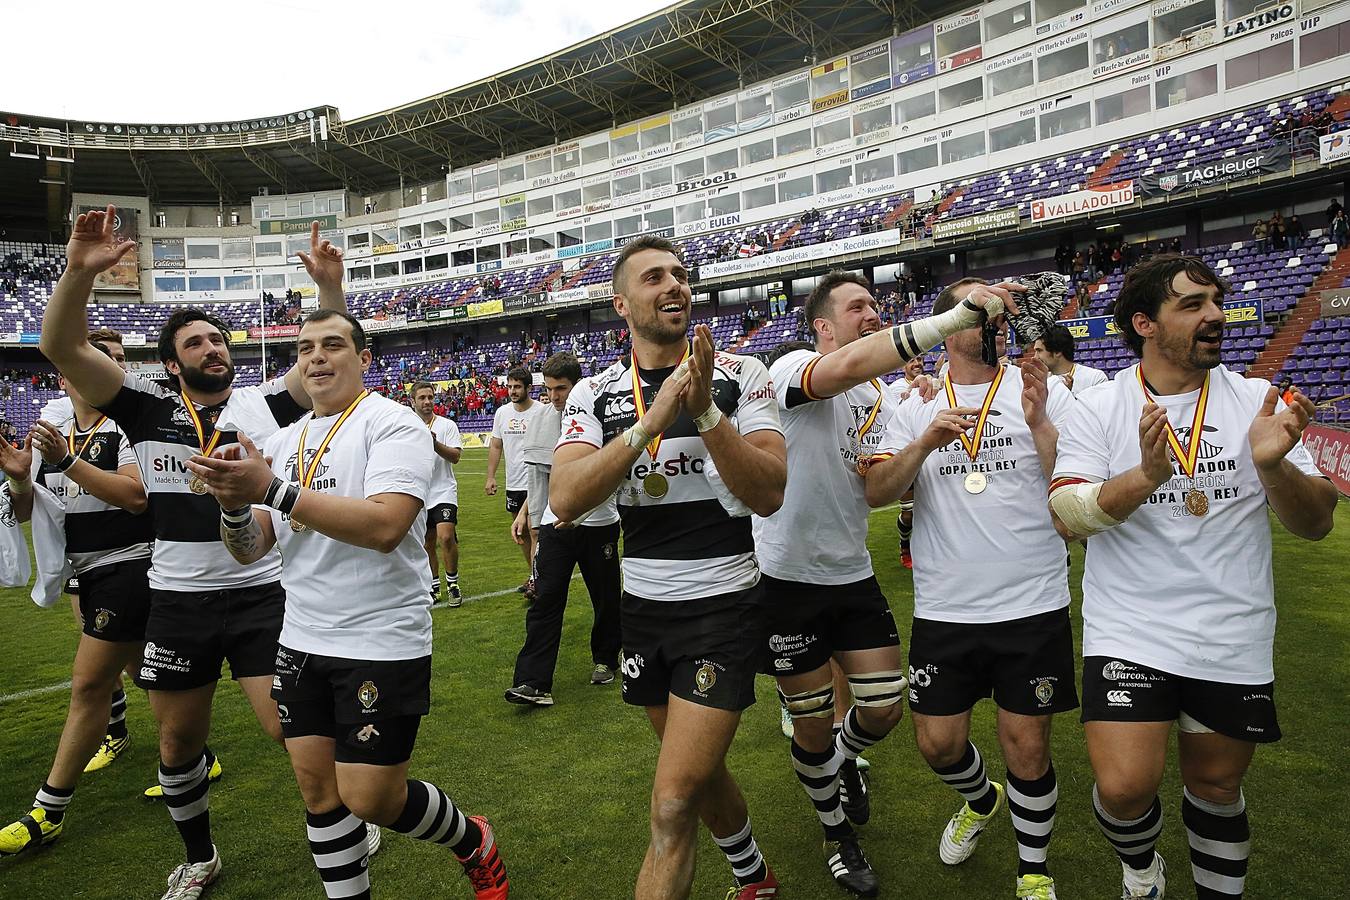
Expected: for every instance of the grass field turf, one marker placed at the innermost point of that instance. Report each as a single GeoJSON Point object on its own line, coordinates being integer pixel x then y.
{"type": "Point", "coordinates": [567, 788]}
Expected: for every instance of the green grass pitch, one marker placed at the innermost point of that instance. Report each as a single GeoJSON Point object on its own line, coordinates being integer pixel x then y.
{"type": "Point", "coordinates": [567, 788]}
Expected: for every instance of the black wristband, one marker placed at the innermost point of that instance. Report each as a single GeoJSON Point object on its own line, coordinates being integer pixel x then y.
{"type": "Point", "coordinates": [274, 492]}
{"type": "Point", "coordinates": [65, 463]}
{"type": "Point", "coordinates": [289, 497]}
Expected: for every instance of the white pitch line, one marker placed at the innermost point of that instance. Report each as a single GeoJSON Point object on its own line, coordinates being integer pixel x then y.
{"type": "Point", "coordinates": [34, 692]}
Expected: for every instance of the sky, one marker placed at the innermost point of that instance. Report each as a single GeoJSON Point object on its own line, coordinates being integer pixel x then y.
{"type": "Point", "coordinates": [154, 61]}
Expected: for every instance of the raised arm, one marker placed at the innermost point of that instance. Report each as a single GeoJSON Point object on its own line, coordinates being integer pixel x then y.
{"type": "Point", "coordinates": [323, 262]}
{"type": "Point", "coordinates": [1305, 504]}
{"type": "Point", "coordinates": [93, 248]}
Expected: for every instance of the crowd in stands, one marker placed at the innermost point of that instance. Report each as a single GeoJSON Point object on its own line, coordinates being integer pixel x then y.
{"type": "Point", "coordinates": [41, 267]}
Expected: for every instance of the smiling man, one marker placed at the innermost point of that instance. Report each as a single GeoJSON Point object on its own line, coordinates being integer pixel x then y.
{"type": "Point", "coordinates": [1169, 469]}
{"type": "Point", "coordinates": [690, 439]}
{"type": "Point", "coordinates": [343, 493]}
{"type": "Point", "coordinates": [991, 593]}
{"type": "Point", "coordinates": [205, 607]}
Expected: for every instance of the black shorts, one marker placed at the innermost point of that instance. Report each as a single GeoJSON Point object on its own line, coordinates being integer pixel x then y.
{"type": "Point", "coordinates": [1025, 664]}
{"type": "Point", "coordinates": [515, 500]}
{"type": "Point", "coordinates": [1117, 690]}
{"type": "Point", "coordinates": [190, 634]}
{"type": "Point", "coordinates": [115, 601]}
{"type": "Point", "coordinates": [808, 623]}
{"type": "Point", "coordinates": [370, 707]}
{"type": "Point", "coordinates": [442, 514]}
{"type": "Point", "coordinates": [706, 651]}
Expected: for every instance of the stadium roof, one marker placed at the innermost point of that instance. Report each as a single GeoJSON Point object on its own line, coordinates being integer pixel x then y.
{"type": "Point", "coordinates": [686, 52]}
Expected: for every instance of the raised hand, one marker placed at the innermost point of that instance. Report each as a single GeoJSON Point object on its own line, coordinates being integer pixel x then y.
{"type": "Point", "coordinates": [948, 425]}
{"type": "Point", "coordinates": [323, 262]}
{"type": "Point", "coordinates": [93, 247]}
{"type": "Point", "coordinates": [17, 463]}
{"type": "Point", "coordinates": [1035, 390]}
{"type": "Point", "coordinates": [50, 442]}
{"type": "Point", "coordinates": [236, 476]}
{"type": "Point", "coordinates": [1155, 459]}
{"type": "Point", "coordinates": [1272, 435]}
{"type": "Point", "coordinates": [996, 298]}
{"type": "Point", "coordinates": [698, 397]}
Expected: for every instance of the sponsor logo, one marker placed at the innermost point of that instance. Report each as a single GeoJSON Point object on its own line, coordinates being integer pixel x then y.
{"type": "Point", "coordinates": [765, 393]}
{"type": "Point", "coordinates": [276, 682]}
{"type": "Point", "coordinates": [368, 694]}
{"type": "Point", "coordinates": [632, 665]}
{"type": "Point", "coordinates": [1115, 670]}
{"type": "Point", "coordinates": [790, 643]}
{"type": "Point", "coordinates": [617, 405]}
{"type": "Point", "coordinates": [923, 676]}
{"type": "Point", "coordinates": [1169, 182]}
{"type": "Point", "coordinates": [1081, 202]}
{"type": "Point", "coordinates": [1250, 697]}
{"type": "Point", "coordinates": [573, 427]}
{"type": "Point", "coordinates": [1258, 20]}
{"type": "Point", "coordinates": [782, 664]}
{"type": "Point", "coordinates": [148, 674]}
{"type": "Point", "coordinates": [284, 712]}
{"type": "Point", "coordinates": [1118, 698]}
{"type": "Point", "coordinates": [368, 735]}
{"type": "Point", "coordinates": [698, 184]}
{"type": "Point", "coordinates": [684, 464]}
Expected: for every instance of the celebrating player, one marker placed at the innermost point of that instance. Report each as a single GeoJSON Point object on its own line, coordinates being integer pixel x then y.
{"type": "Point", "coordinates": [1170, 468]}
{"type": "Point", "coordinates": [691, 440]}
{"type": "Point", "coordinates": [1055, 350]}
{"type": "Point", "coordinates": [509, 424]}
{"type": "Point", "coordinates": [204, 607]}
{"type": "Point", "coordinates": [977, 460]}
{"type": "Point", "coordinates": [344, 494]}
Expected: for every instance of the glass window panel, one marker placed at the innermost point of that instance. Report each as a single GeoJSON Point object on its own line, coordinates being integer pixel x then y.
{"type": "Point", "coordinates": [1050, 9]}
{"type": "Point", "coordinates": [656, 178]}
{"type": "Point", "coordinates": [655, 137]}
{"type": "Point", "coordinates": [790, 95]}
{"type": "Point", "coordinates": [1117, 44]}
{"type": "Point", "coordinates": [722, 160]}
{"type": "Point", "coordinates": [966, 147]}
{"type": "Point", "coordinates": [203, 283]}
{"type": "Point", "coordinates": [919, 107]}
{"type": "Point", "coordinates": [170, 283]}
{"type": "Point", "coordinates": [568, 199]}
{"type": "Point", "coordinates": [957, 95]}
{"type": "Point", "coordinates": [794, 142]}
{"type": "Point", "coordinates": [1063, 62]}
{"type": "Point", "coordinates": [997, 25]}
{"type": "Point", "coordinates": [485, 181]}
{"type": "Point", "coordinates": [534, 168]}
{"type": "Point", "coordinates": [1012, 78]}
{"type": "Point", "coordinates": [918, 158]}
{"type": "Point", "coordinates": [238, 282]}
{"type": "Point", "coordinates": [875, 169]}
{"type": "Point", "coordinates": [626, 144]}
{"type": "Point", "coordinates": [690, 168]}
{"type": "Point", "coordinates": [212, 251]}
{"type": "Point", "coordinates": [872, 120]}
{"type": "Point", "coordinates": [834, 180]}
{"type": "Point", "coordinates": [760, 196]}
{"type": "Point", "coordinates": [1066, 120]}
{"type": "Point", "coordinates": [683, 128]}
{"type": "Point", "coordinates": [540, 206]}
{"type": "Point", "coordinates": [630, 184]}
{"type": "Point", "coordinates": [714, 118]}
{"type": "Point", "coordinates": [830, 132]}
{"type": "Point", "coordinates": [757, 152]}
{"type": "Point", "coordinates": [1017, 134]}
{"type": "Point", "coordinates": [794, 189]}
{"type": "Point", "coordinates": [1190, 86]}
{"type": "Point", "coordinates": [594, 153]}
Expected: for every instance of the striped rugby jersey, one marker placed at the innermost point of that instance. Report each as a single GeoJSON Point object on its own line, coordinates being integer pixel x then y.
{"type": "Point", "coordinates": [97, 533]}
{"type": "Point", "coordinates": [188, 553]}
{"type": "Point", "coordinates": [684, 544]}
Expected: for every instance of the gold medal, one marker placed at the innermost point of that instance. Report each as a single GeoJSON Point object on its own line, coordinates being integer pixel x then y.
{"type": "Point", "coordinates": [976, 482]}
{"type": "Point", "coordinates": [298, 527]}
{"type": "Point", "coordinates": [655, 485]}
{"type": "Point", "coordinates": [864, 464]}
{"type": "Point", "coordinates": [196, 485]}
{"type": "Point", "coordinates": [1197, 504]}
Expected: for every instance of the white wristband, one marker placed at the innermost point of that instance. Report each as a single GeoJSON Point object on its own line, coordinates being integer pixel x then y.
{"type": "Point", "coordinates": [636, 437]}
{"type": "Point", "coordinates": [17, 487]}
{"type": "Point", "coordinates": [708, 421]}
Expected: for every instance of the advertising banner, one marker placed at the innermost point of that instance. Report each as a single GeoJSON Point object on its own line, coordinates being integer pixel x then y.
{"type": "Point", "coordinates": [1330, 449]}
{"type": "Point", "coordinates": [1081, 202]}
{"type": "Point", "coordinates": [485, 308]}
{"type": "Point", "coordinates": [985, 221]}
{"type": "Point", "coordinates": [1087, 328]}
{"type": "Point", "coordinates": [1336, 303]}
{"type": "Point", "coordinates": [296, 226]}
{"type": "Point", "coordinates": [1334, 147]}
{"type": "Point", "coordinates": [912, 56]}
{"type": "Point", "coordinates": [126, 274]}
{"type": "Point", "coordinates": [1274, 158]}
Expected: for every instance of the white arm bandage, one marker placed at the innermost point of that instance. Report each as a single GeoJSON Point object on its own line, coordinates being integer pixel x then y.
{"type": "Point", "coordinates": [916, 338]}
{"type": "Point", "coordinates": [1076, 505]}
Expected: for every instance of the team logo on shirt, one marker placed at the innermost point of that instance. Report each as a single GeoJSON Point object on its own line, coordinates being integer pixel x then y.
{"type": "Point", "coordinates": [705, 678]}
{"type": "Point", "coordinates": [368, 694]}
{"type": "Point", "coordinates": [95, 450]}
{"type": "Point", "coordinates": [101, 619]}
{"type": "Point", "coordinates": [1207, 450]}
{"type": "Point", "coordinates": [7, 519]}
{"type": "Point", "coordinates": [309, 459]}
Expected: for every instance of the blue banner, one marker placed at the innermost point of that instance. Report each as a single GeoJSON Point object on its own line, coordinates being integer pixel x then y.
{"type": "Point", "coordinates": [912, 56]}
{"type": "Point", "coordinates": [1089, 328]}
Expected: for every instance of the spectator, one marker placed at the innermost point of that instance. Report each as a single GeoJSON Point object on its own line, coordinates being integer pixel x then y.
{"type": "Point", "coordinates": [1260, 232]}
{"type": "Point", "coordinates": [1176, 244]}
{"type": "Point", "coordinates": [1340, 230]}
{"type": "Point", "coordinates": [1298, 234]}
{"type": "Point", "coordinates": [1332, 208]}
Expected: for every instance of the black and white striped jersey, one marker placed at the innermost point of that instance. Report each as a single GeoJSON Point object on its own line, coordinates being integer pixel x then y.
{"type": "Point", "coordinates": [97, 533]}
{"type": "Point", "coordinates": [188, 553]}
{"type": "Point", "coordinates": [685, 535]}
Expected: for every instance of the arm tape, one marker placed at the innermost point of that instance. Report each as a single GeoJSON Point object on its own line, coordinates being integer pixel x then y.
{"type": "Point", "coordinates": [1076, 505]}
{"type": "Point", "coordinates": [914, 339]}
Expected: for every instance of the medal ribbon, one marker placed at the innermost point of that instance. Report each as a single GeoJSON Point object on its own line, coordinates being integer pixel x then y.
{"type": "Point", "coordinates": [1185, 458]}
{"type": "Point", "coordinates": [307, 471]}
{"type": "Point", "coordinates": [641, 406]}
{"type": "Point", "coordinates": [871, 416]}
{"type": "Point", "coordinates": [202, 445]}
{"type": "Point", "coordinates": [70, 438]}
{"type": "Point", "coordinates": [972, 445]}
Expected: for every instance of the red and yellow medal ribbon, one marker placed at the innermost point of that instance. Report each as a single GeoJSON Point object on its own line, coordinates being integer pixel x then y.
{"type": "Point", "coordinates": [972, 444]}
{"type": "Point", "coordinates": [70, 438]}
{"type": "Point", "coordinates": [202, 445]}
{"type": "Point", "coordinates": [640, 405]}
{"type": "Point", "coordinates": [1188, 456]}
{"type": "Point", "coordinates": [871, 416]}
{"type": "Point", "coordinates": [306, 472]}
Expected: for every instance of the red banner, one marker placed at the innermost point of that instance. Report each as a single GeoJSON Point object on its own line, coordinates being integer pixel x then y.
{"type": "Point", "coordinates": [274, 331]}
{"type": "Point", "coordinates": [1330, 449]}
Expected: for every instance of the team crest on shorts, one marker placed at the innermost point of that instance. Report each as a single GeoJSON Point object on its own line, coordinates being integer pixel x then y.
{"type": "Point", "coordinates": [101, 619]}
{"type": "Point", "coordinates": [368, 694]}
{"type": "Point", "coordinates": [705, 678]}
{"type": "Point", "coordinates": [1045, 691]}
{"type": "Point", "coordinates": [608, 550]}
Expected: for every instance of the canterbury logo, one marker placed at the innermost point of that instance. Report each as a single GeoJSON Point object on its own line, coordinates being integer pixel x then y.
{"type": "Point", "coordinates": [1122, 697]}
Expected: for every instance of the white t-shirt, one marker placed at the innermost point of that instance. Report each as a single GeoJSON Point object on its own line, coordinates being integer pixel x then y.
{"type": "Point", "coordinates": [819, 536]}
{"type": "Point", "coordinates": [444, 488]}
{"type": "Point", "coordinates": [348, 601]}
{"type": "Point", "coordinates": [992, 556]}
{"type": "Point", "coordinates": [694, 540]}
{"type": "Point", "coordinates": [1190, 595]}
{"type": "Point", "coordinates": [509, 426]}
{"type": "Point", "coordinates": [1084, 377]}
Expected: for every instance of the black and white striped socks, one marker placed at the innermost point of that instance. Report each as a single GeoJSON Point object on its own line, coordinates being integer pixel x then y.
{"type": "Point", "coordinates": [53, 801]}
{"type": "Point", "coordinates": [337, 841]}
{"type": "Point", "coordinates": [1133, 839]}
{"type": "Point", "coordinates": [819, 775]}
{"type": "Point", "coordinates": [429, 815]}
{"type": "Point", "coordinates": [1220, 840]}
{"type": "Point", "coordinates": [852, 738]}
{"type": "Point", "coordinates": [1032, 805]}
{"type": "Point", "coordinates": [186, 794]}
{"type": "Point", "coordinates": [117, 714]}
{"type": "Point", "coordinates": [969, 779]}
{"type": "Point", "coordinates": [740, 849]}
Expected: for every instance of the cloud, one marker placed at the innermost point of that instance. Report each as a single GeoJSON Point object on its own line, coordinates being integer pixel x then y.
{"type": "Point", "coordinates": [160, 61]}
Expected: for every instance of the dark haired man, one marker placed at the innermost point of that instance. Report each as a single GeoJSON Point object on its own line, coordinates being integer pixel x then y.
{"type": "Point", "coordinates": [91, 470]}
{"type": "Point", "coordinates": [977, 461]}
{"type": "Point", "coordinates": [591, 542]}
{"type": "Point", "coordinates": [1055, 351]}
{"type": "Point", "coordinates": [690, 439]}
{"type": "Point", "coordinates": [204, 607]}
{"type": "Point", "coordinates": [823, 599]}
{"type": "Point", "coordinates": [443, 505]}
{"type": "Point", "coordinates": [342, 493]}
{"type": "Point", "coordinates": [1171, 466]}
{"type": "Point", "coordinates": [509, 424]}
